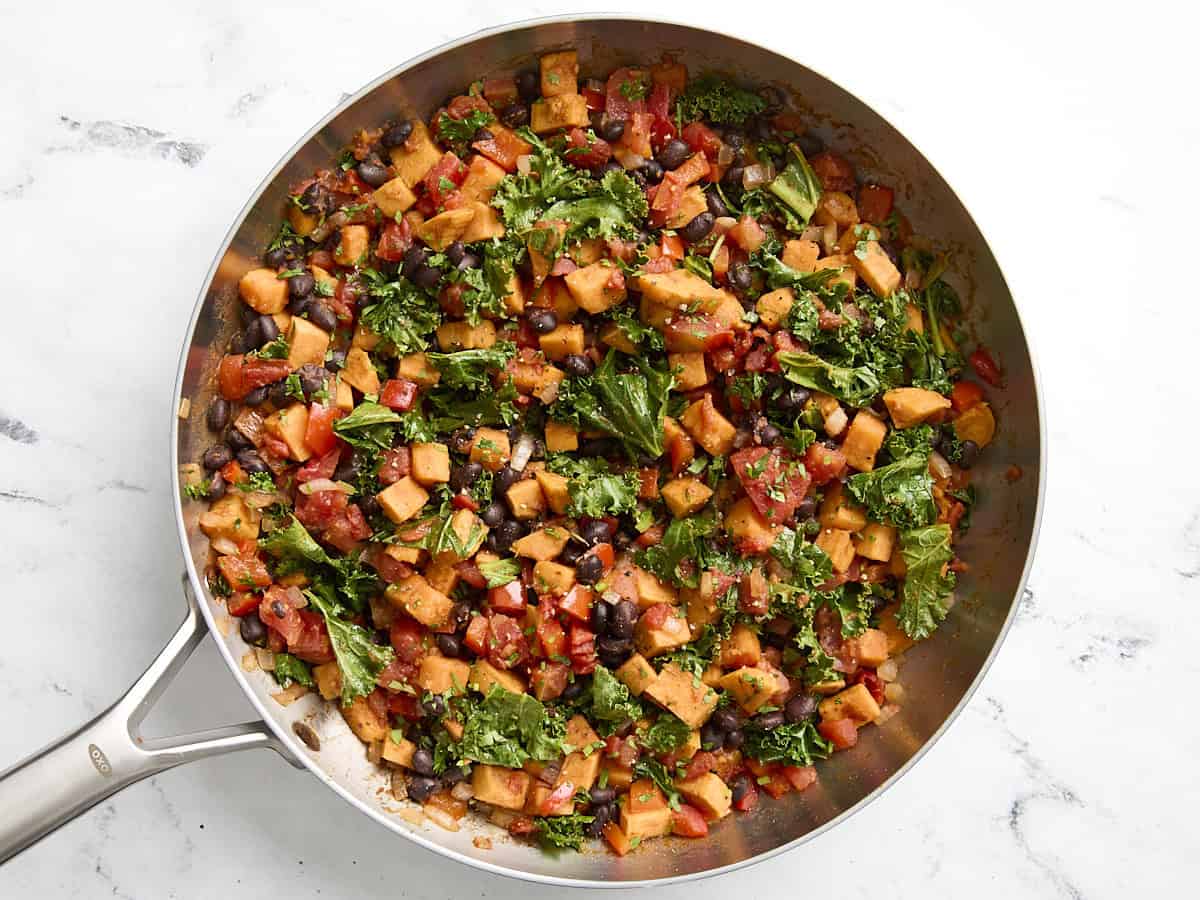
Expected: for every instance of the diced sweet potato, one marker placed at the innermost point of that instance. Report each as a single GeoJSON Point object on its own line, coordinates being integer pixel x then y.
{"type": "Point", "coordinates": [430, 463]}
{"type": "Point", "coordinates": [596, 287]}
{"type": "Point", "coordinates": [491, 449]}
{"type": "Point", "coordinates": [653, 640]}
{"type": "Point", "coordinates": [746, 525]}
{"type": "Point", "coordinates": [553, 578]}
{"type": "Point", "coordinates": [563, 111]}
{"type": "Point", "coordinates": [484, 676]}
{"type": "Point", "coordinates": [328, 677]}
{"type": "Point", "coordinates": [679, 288]}
{"type": "Point", "coordinates": [525, 499]}
{"type": "Point", "coordinates": [264, 291]}
{"type": "Point", "coordinates": [398, 753]}
{"type": "Point", "coordinates": [417, 597]}
{"type": "Point", "coordinates": [413, 159]}
{"type": "Point", "coordinates": [910, 406]}
{"type": "Point", "coordinates": [307, 343]}
{"type": "Point", "coordinates": [636, 674]}
{"type": "Point", "coordinates": [439, 674]}
{"type": "Point", "coordinates": [359, 372]}
{"type": "Point", "coordinates": [708, 793]}
{"type": "Point", "coordinates": [290, 425]}
{"type": "Point", "coordinates": [690, 371]}
{"type": "Point", "coordinates": [651, 590]}
{"type": "Point", "coordinates": [838, 510]}
{"type": "Point", "coordinates": [499, 786]}
{"type": "Point", "coordinates": [555, 489]}
{"type": "Point", "coordinates": [863, 440]}
{"type": "Point", "coordinates": [838, 547]}
{"type": "Point", "coordinates": [453, 336]}
{"type": "Point", "coordinates": [484, 225]}
{"type": "Point", "coordinates": [683, 694]}
{"type": "Point", "coordinates": [876, 542]}
{"type": "Point", "coordinates": [708, 427]}
{"type": "Point", "coordinates": [445, 228]}
{"type": "Point", "coordinates": [876, 268]}
{"type": "Point", "coordinates": [801, 255]}
{"type": "Point", "coordinates": [230, 517]}
{"type": "Point", "coordinates": [354, 242]}
{"type": "Point", "coordinates": [363, 721]}
{"type": "Point", "coordinates": [752, 687]}
{"type": "Point", "coordinates": [871, 647]}
{"type": "Point", "coordinates": [773, 307]}
{"type": "Point", "coordinates": [565, 340]}
{"type": "Point", "coordinates": [402, 500]}
{"type": "Point", "coordinates": [691, 204]}
{"type": "Point", "coordinates": [482, 177]}
{"type": "Point", "coordinates": [685, 495]}
{"type": "Point", "coordinates": [976, 424]}
{"type": "Point", "coordinates": [854, 703]}
{"type": "Point", "coordinates": [393, 197]}
{"type": "Point", "coordinates": [545, 543]}
{"type": "Point", "coordinates": [560, 73]}
{"type": "Point", "coordinates": [644, 811]}
{"type": "Point", "coordinates": [741, 648]}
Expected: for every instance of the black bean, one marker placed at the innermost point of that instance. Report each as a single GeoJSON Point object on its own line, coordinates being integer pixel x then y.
{"type": "Point", "coordinates": [589, 569]}
{"type": "Point", "coordinates": [571, 554]}
{"type": "Point", "coordinates": [253, 630]}
{"type": "Point", "coordinates": [761, 129]}
{"type": "Point", "coordinates": [733, 177]}
{"type": "Point", "coordinates": [572, 690]}
{"type": "Point", "coordinates": [237, 343]}
{"type": "Point", "coordinates": [252, 335]}
{"type": "Point", "coordinates": [515, 116]}
{"type": "Point", "coordinates": [298, 306]}
{"type": "Point", "coordinates": [768, 433]}
{"type": "Point", "coordinates": [312, 379]}
{"type": "Point", "coordinates": [734, 739]}
{"type": "Point", "coordinates": [595, 119]}
{"type": "Point", "coordinates": [251, 462]}
{"type": "Point", "coordinates": [612, 130]}
{"type": "Point", "coordinates": [773, 97]}
{"type": "Point", "coordinates": [806, 509]}
{"type": "Point", "coordinates": [420, 787]}
{"type": "Point", "coordinates": [711, 737]}
{"type": "Point", "coordinates": [316, 199]}
{"type": "Point", "coordinates": [776, 640]}
{"type": "Point", "coordinates": [652, 171]}
{"type": "Point", "coordinates": [968, 455]}
{"type": "Point", "coordinates": [216, 456]}
{"type": "Point", "coordinates": [494, 514]}
{"type": "Point", "coordinates": [716, 205]}
{"type": "Point", "coordinates": [412, 261]}
{"type": "Point", "coordinates": [427, 276]}
{"type": "Point", "coordinates": [600, 614]}
{"type": "Point", "coordinates": [578, 364]}
{"type": "Point", "coordinates": [267, 329]}
{"type": "Point", "coordinates": [613, 651]}
{"type": "Point", "coordinates": [725, 719]}
{"type": "Point", "coordinates": [503, 535]}
{"type": "Point", "coordinates": [698, 228]}
{"type": "Point", "coordinates": [506, 478]}
{"type": "Point", "coordinates": [596, 531]}
{"type": "Point", "coordinates": [237, 440]}
{"type": "Point", "coordinates": [460, 441]}
{"type": "Point", "coordinates": [397, 134]}
{"type": "Point", "coordinates": [734, 138]}
{"type": "Point", "coordinates": [810, 145]}
{"type": "Point", "coordinates": [602, 796]}
{"type": "Point", "coordinates": [742, 785]}
{"type": "Point", "coordinates": [622, 539]}
{"type": "Point", "coordinates": [469, 261]}
{"type": "Point", "coordinates": [322, 316]}
{"type": "Point", "coordinates": [276, 258]}
{"type": "Point", "coordinates": [278, 394]}
{"type": "Point", "coordinates": [216, 486]}
{"type": "Point", "coordinates": [336, 361]}
{"type": "Point", "coordinates": [454, 774]}
{"type": "Point", "coordinates": [348, 467]}
{"type": "Point", "coordinates": [482, 134]}
{"type": "Point", "coordinates": [462, 477]}
{"type": "Point", "coordinates": [218, 414]}
{"type": "Point", "coordinates": [455, 252]}
{"type": "Point", "coordinates": [799, 708]}
{"type": "Point", "coordinates": [542, 321]}
{"type": "Point", "coordinates": [449, 645]}
{"type": "Point", "coordinates": [433, 706]}
{"type": "Point", "coordinates": [600, 817]}
{"type": "Point", "coordinates": [740, 276]}
{"type": "Point", "coordinates": [622, 619]}
{"type": "Point", "coordinates": [373, 174]}
{"type": "Point", "coordinates": [529, 85]}
{"type": "Point", "coordinates": [674, 154]}
{"type": "Point", "coordinates": [301, 285]}
{"type": "Point", "coordinates": [256, 397]}
{"type": "Point", "coordinates": [769, 720]}
{"type": "Point", "coordinates": [793, 398]}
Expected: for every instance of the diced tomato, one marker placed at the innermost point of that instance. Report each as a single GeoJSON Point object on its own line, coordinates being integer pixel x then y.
{"type": "Point", "coordinates": [694, 168]}
{"type": "Point", "coordinates": [701, 763]}
{"type": "Point", "coordinates": [405, 705]}
{"type": "Point", "coordinates": [842, 733]}
{"type": "Point", "coordinates": [667, 198]}
{"type": "Point", "coordinates": [507, 647]}
{"type": "Point", "coordinates": [508, 598]}
{"type": "Point", "coordinates": [552, 637]}
{"type": "Point", "coordinates": [702, 139]}
{"type": "Point", "coordinates": [522, 825]}
{"type": "Point", "coordinates": [964, 395]}
{"type": "Point", "coordinates": [390, 570]}
{"type": "Point", "coordinates": [447, 174]}
{"type": "Point", "coordinates": [477, 634]}
{"type": "Point", "coordinates": [407, 637]}
{"type": "Point", "coordinates": [239, 374]}
{"type": "Point", "coordinates": [347, 530]}
{"type": "Point", "coordinates": [701, 328]}
{"type": "Point", "coordinates": [682, 450]}
{"type": "Point", "coordinates": [777, 785]}
{"type": "Point", "coordinates": [652, 536]}
{"type": "Point", "coordinates": [312, 644]}
{"type": "Point", "coordinates": [349, 182]}
{"type": "Point", "coordinates": [671, 246]}
{"type": "Point", "coordinates": [465, 104]}
{"type": "Point", "coordinates": [688, 822]}
{"type": "Point", "coordinates": [316, 510]}
{"type": "Point", "coordinates": [836, 174]}
{"type": "Point", "coordinates": [658, 104]}
{"type": "Point", "coordinates": [748, 800]}
{"type": "Point", "coordinates": [560, 796]}
{"type": "Point", "coordinates": [985, 367]}
{"type": "Point", "coordinates": [394, 241]}
{"type": "Point", "coordinates": [244, 573]}
{"type": "Point", "coordinates": [656, 616]}
{"type": "Point", "coordinates": [549, 679]}
{"type": "Point", "coordinates": [394, 464]}
{"type": "Point", "coordinates": [623, 750]}
{"type": "Point", "coordinates": [747, 234]}
{"type": "Point", "coordinates": [662, 131]}
{"type": "Point", "coordinates": [875, 203]}
{"type": "Point", "coordinates": [275, 641]}
{"type": "Point", "coordinates": [398, 394]}
{"type": "Point", "coordinates": [504, 147]}
{"type": "Point", "coordinates": [774, 481]}
{"type": "Point", "coordinates": [582, 650]}
{"type": "Point", "coordinates": [278, 611]}
{"type": "Point", "coordinates": [464, 501]}
{"type": "Point", "coordinates": [872, 682]}
{"type": "Point", "coordinates": [585, 153]}
{"type": "Point", "coordinates": [759, 359]}
{"type": "Point", "coordinates": [242, 603]}
{"type": "Point", "coordinates": [648, 483]}
{"type": "Point", "coordinates": [318, 434]}
{"type": "Point", "coordinates": [500, 92]}
{"type": "Point", "coordinates": [604, 552]}
{"type": "Point", "coordinates": [577, 603]}
{"type": "Point", "coordinates": [622, 83]}
{"type": "Point", "coordinates": [595, 99]}
{"type": "Point", "coordinates": [824, 463]}
{"type": "Point", "coordinates": [801, 777]}
{"type": "Point", "coordinates": [637, 134]}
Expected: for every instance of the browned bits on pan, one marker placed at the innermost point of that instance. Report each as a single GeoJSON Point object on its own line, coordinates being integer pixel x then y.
{"type": "Point", "coordinates": [307, 735]}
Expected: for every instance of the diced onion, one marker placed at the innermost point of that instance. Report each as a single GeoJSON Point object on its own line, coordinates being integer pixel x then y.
{"type": "Point", "coordinates": [894, 692]}
{"type": "Point", "coordinates": [522, 453]}
{"type": "Point", "coordinates": [266, 659]}
{"type": "Point", "coordinates": [326, 228]}
{"type": "Point", "coordinates": [632, 161]}
{"type": "Point", "coordinates": [525, 164]}
{"type": "Point", "coordinates": [261, 499]}
{"type": "Point", "coordinates": [250, 423]}
{"type": "Point", "coordinates": [886, 713]}
{"type": "Point", "coordinates": [288, 696]}
{"type": "Point", "coordinates": [725, 155]}
{"type": "Point", "coordinates": [835, 422]}
{"type": "Point", "coordinates": [500, 817]}
{"type": "Point", "coordinates": [225, 546]}
{"type": "Point", "coordinates": [374, 752]}
{"type": "Point", "coordinates": [888, 670]}
{"type": "Point", "coordinates": [610, 597]}
{"type": "Point", "coordinates": [326, 484]}
{"type": "Point", "coordinates": [812, 233]}
{"type": "Point", "coordinates": [462, 791]}
{"type": "Point", "coordinates": [249, 661]}
{"type": "Point", "coordinates": [757, 175]}
{"type": "Point", "coordinates": [399, 786]}
{"type": "Point", "coordinates": [938, 467]}
{"type": "Point", "coordinates": [723, 224]}
{"type": "Point", "coordinates": [440, 817]}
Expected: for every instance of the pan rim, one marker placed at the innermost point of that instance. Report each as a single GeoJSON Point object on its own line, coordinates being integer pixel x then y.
{"type": "Point", "coordinates": [290, 741]}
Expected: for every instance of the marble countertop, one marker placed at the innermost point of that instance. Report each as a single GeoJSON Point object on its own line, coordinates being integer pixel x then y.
{"type": "Point", "coordinates": [134, 131]}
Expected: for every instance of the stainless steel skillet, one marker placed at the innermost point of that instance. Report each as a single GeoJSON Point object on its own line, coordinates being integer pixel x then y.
{"type": "Point", "coordinates": [69, 777]}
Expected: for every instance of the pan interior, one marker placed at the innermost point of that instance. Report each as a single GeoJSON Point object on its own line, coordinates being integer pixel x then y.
{"type": "Point", "coordinates": [937, 675]}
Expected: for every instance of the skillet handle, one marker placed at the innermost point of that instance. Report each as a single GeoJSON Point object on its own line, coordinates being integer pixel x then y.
{"type": "Point", "coordinates": [69, 777]}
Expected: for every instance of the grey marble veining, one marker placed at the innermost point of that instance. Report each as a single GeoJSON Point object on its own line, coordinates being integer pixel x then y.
{"type": "Point", "coordinates": [134, 132]}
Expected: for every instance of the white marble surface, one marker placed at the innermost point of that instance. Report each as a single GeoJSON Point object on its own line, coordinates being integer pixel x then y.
{"type": "Point", "coordinates": [133, 132]}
